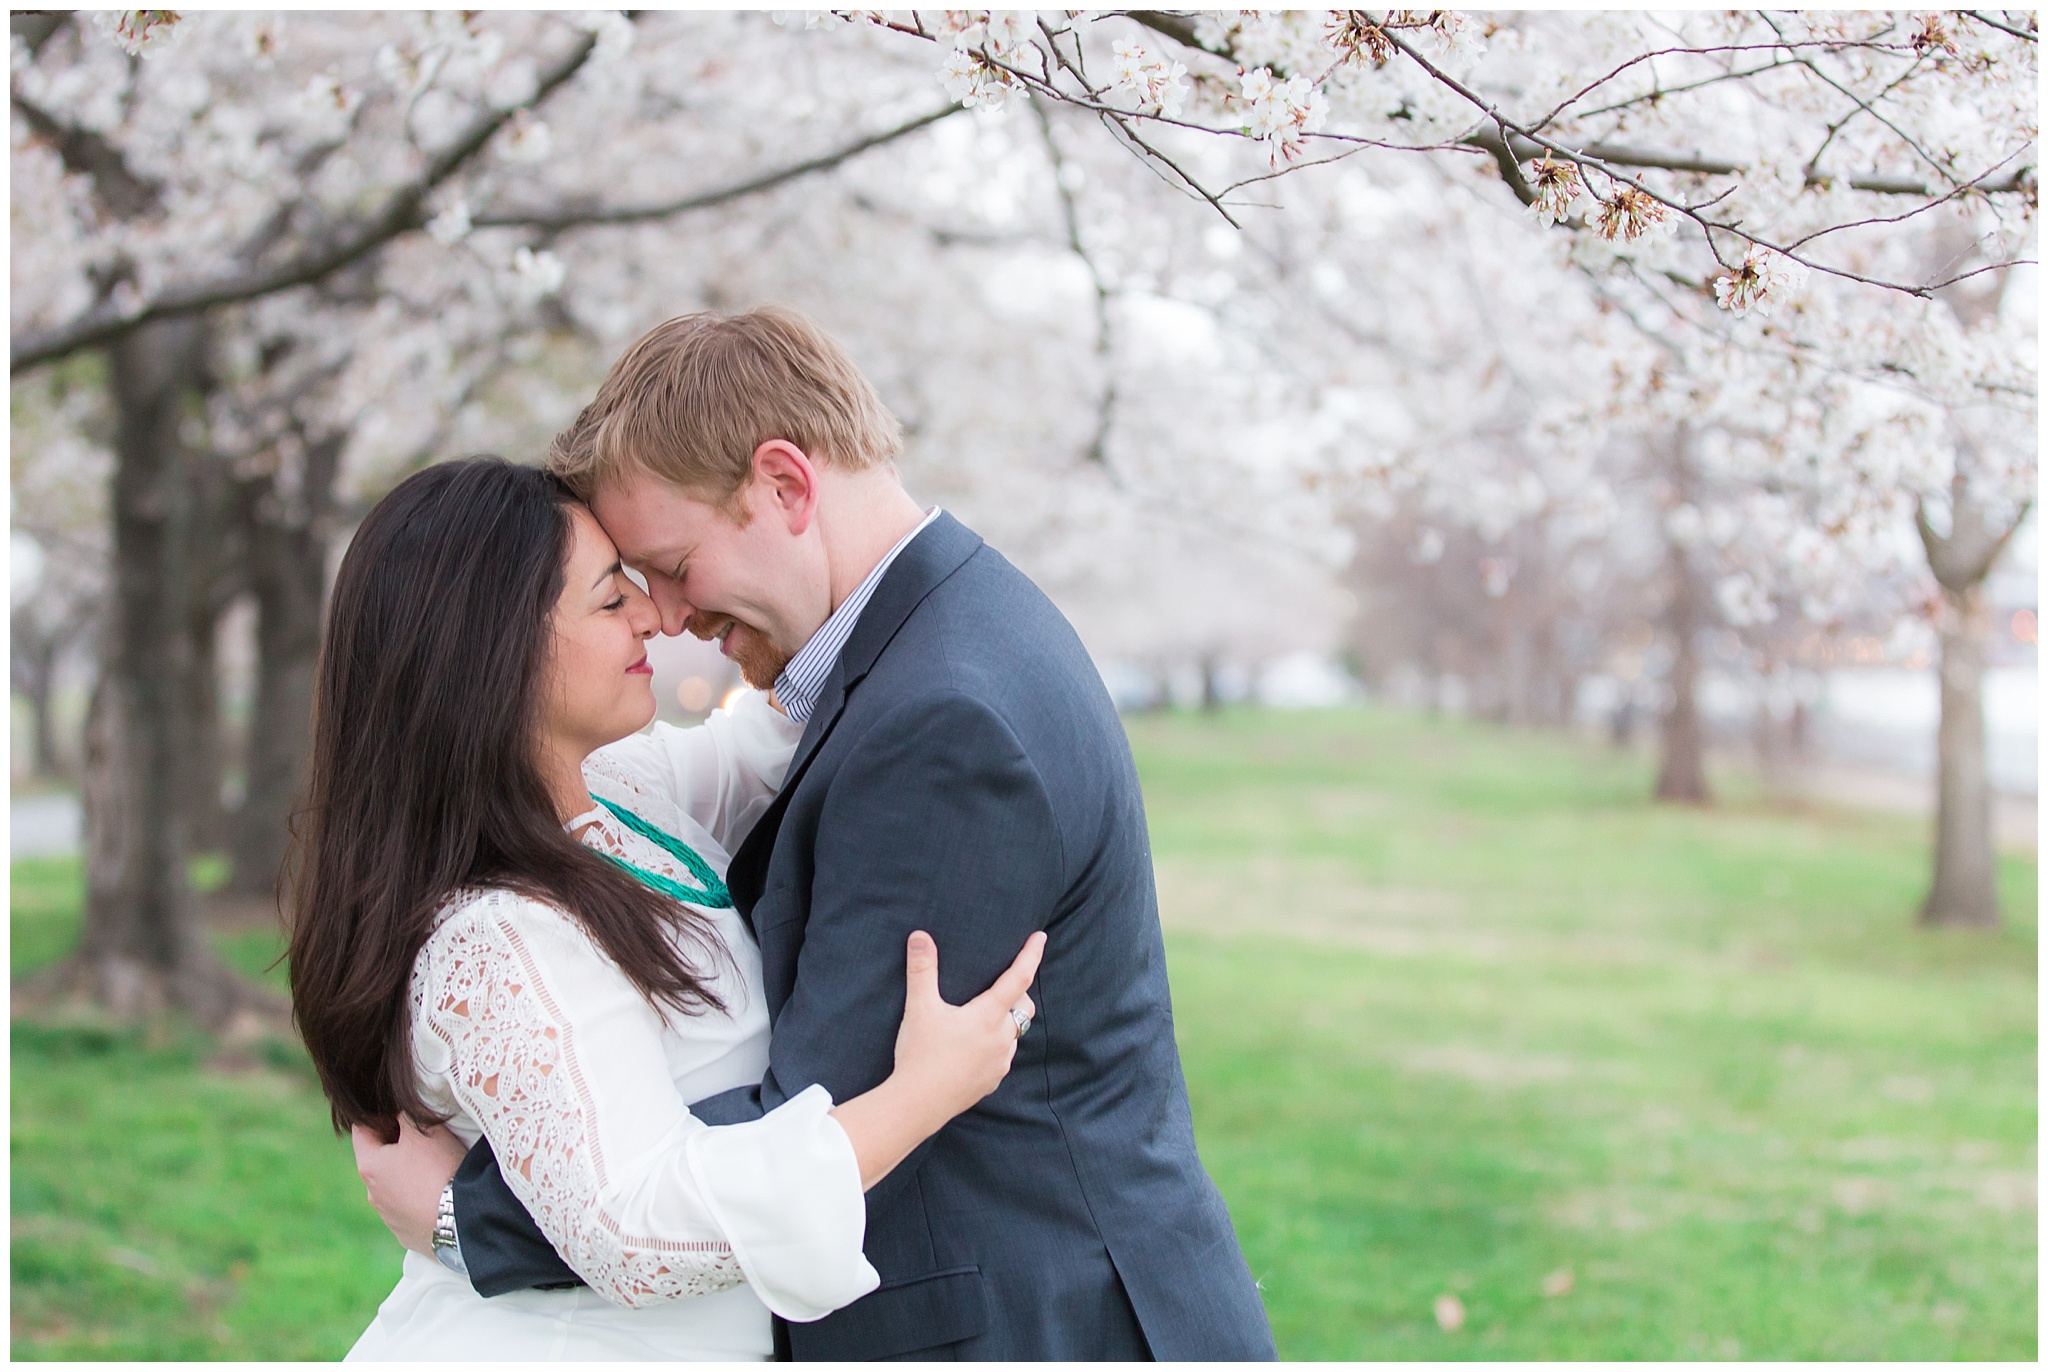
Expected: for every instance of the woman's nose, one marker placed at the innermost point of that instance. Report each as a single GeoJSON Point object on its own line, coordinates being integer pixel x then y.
{"type": "Point", "coordinates": [642, 614]}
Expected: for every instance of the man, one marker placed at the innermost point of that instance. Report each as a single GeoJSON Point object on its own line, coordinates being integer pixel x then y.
{"type": "Point", "coordinates": [963, 771]}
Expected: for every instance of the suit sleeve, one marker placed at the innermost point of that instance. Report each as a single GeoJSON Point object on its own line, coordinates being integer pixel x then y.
{"type": "Point", "coordinates": [502, 1248]}
{"type": "Point", "coordinates": [936, 820]}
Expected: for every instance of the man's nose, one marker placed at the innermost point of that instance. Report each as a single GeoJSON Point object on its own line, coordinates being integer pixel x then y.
{"type": "Point", "coordinates": [674, 608]}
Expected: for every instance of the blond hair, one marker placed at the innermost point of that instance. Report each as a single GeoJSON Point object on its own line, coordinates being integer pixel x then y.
{"type": "Point", "coordinates": [694, 397]}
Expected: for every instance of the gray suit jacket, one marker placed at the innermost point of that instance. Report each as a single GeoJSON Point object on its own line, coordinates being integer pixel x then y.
{"type": "Point", "coordinates": [965, 773]}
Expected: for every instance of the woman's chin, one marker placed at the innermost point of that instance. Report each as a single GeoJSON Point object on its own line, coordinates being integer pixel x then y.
{"type": "Point", "coordinates": [634, 716]}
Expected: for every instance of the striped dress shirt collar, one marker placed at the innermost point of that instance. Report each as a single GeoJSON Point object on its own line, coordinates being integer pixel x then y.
{"type": "Point", "coordinates": [804, 677]}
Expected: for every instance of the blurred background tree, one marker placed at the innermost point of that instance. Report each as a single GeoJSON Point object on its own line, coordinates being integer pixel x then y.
{"type": "Point", "coordinates": [1570, 335]}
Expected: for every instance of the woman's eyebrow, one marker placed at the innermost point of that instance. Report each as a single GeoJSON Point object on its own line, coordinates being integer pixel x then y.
{"type": "Point", "coordinates": [606, 575]}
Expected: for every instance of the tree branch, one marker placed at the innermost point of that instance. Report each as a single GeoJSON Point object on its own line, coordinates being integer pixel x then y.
{"type": "Point", "coordinates": [37, 27]}
{"type": "Point", "coordinates": [1988, 22]}
{"type": "Point", "coordinates": [1492, 141]}
{"type": "Point", "coordinates": [402, 211]}
{"type": "Point", "coordinates": [1621, 155]}
{"type": "Point", "coordinates": [86, 153]}
{"type": "Point", "coordinates": [1182, 30]}
{"type": "Point", "coordinates": [1179, 28]}
{"type": "Point", "coordinates": [573, 216]}
{"type": "Point", "coordinates": [1105, 404]}
{"type": "Point", "coordinates": [1707, 227]}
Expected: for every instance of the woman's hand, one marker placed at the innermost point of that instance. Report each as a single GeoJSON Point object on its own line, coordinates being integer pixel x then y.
{"type": "Point", "coordinates": [950, 1056]}
{"type": "Point", "coordinates": [405, 1179]}
{"type": "Point", "coordinates": [947, 1058]}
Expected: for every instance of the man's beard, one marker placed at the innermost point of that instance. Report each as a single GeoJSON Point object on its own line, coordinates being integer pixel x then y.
{"type": "Point", "coordinates": [759, 660]}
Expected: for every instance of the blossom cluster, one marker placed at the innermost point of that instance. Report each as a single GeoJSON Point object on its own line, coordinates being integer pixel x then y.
{"type": "Point", "coordinates": [1759, 282]}
{"type": "Point", "coordinates": [974, 71]}
{"type": "Point", "coordinates": [1160, 85]}
{"type": "Point", "coordinates": [1281, 113]}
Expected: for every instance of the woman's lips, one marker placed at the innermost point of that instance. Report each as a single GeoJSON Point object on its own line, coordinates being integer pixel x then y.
{"type": "Point", "coordinates": [642, 667]}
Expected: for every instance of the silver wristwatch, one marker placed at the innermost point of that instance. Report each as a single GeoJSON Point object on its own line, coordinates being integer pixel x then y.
{"type": "Point", "coordinates": [447, 1246]}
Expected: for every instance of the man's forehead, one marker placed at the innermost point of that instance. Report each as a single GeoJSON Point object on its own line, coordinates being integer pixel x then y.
{"type": "Point", "coordinates": [645, 505]}
{"type": "Point", "coordinates": [647, 514]}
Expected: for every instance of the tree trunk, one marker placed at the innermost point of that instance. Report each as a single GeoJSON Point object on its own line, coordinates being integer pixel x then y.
{"type": "Point", "coordinates": [1965, 889]}
{"type": "Point", "coordinates": [203, 726]}
{"type": "Point", "coordinates": [1212, 698]}
{"type": "Point", "coordinates": [1774, 728]}
{"type": "Point", "coordinates": [1682, 769]}
{"type": "Point", "coordinates": [1519, 669]}
{"type": "Point", "coordinates": [215, 568]}
{"type": "Point", "coordinates": [143, 948]}
{"type": "Point", "coordinates": [44, 709]}
{"type": "Point", "coordinates": [288, 544]}
{"type": "Point", "coordinates": [1621, 725]}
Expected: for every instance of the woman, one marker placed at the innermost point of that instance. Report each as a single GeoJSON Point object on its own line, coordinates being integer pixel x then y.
{"type": "Point", "coordinates": [510, 916]}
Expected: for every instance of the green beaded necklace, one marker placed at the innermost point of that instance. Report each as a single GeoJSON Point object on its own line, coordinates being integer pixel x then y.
{"type": "Point", "coordinates": [714, 896]}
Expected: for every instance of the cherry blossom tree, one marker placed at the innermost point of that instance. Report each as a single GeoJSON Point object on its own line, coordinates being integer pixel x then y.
{"type": "Point", "coordinates": [290, 355]}
{"type": "Point", "coordinates": [1143, 285]}
{"type": "Point", "coordinates": [1832, 187]}
{"type": "Point", "coordinates": [1830, 126]}
{"type": "Point", "coordinates": [219, 207]}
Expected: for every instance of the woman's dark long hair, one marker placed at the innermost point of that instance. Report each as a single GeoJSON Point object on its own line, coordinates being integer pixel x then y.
{"type": "Point", "coordinates": [425, 775]}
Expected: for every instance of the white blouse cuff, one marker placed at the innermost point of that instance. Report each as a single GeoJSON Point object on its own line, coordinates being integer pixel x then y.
{"type": "Point", "coordinates": [785, 1190]}
{"type": "Point", "coordinates": [763, 735]}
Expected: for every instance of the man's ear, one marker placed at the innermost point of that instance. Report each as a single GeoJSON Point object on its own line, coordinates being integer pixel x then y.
{"type": "Point", "coordinates": [785, 484]}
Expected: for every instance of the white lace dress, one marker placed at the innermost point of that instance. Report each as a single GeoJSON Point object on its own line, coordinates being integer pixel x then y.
{"type": "Point", "coordinates": [688, 1235]}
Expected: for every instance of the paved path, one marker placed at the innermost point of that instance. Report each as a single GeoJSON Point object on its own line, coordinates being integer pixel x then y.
{"type": "Point", "coordinates": [49, 825]}
{"type": "Point", "coordinates": [44, 826]}
{"type": "Point", "coordinates": [2014, 818]}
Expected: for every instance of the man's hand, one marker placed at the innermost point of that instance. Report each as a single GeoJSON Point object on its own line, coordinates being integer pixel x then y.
{"type": "Point", "coordinates": [405, 1179]}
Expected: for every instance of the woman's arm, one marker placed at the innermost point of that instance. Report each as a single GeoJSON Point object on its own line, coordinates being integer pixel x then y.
{"type": "Point", "coordinates": [559, 1059]}
{"type": "Point", "coordinates": [560, 1062]}
{"type": "Point", "coordinates": [722, 773]}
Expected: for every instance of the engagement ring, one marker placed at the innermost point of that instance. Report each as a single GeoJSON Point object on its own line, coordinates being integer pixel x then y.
{"type": "Point", "coordinates": [1021, 1020]}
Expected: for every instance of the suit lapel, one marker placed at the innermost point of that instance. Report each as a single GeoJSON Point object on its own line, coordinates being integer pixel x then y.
{"type": "Point", "coordinates": [746, 876]}
{"type": "Point", "coordinates": [918, 570]}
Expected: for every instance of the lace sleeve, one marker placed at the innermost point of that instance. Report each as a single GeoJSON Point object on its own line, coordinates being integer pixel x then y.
{"type": "Point", "coordinates": [561, 1063]}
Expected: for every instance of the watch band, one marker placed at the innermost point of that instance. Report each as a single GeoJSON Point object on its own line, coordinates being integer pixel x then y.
{"type": "Point", "coordinates": [447, 1244]}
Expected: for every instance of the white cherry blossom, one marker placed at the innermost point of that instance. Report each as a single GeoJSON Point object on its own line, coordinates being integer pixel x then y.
{"type": "Point", "coordinates": [1759, 283]}
{"type": "Point", "coordinates": [973, 80]}
{"type": "Point", "coordinates": [1280, 112]}
{"type": "Point", "coordinates": [1160, 85]}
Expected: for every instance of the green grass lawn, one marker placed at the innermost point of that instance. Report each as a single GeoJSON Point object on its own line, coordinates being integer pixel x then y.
{"type": "Point", "coordinates": [166, 1207]}
{"type": "Point", "coordinates": [1462, 1016]}
{"type": "Point", "coordinates": [1461, 1012]}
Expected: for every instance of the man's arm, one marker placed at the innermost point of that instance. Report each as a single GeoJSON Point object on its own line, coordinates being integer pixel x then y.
{"type": "Point", "coordinates": [502, 1248]}
{"type": "Point", "coordinates": [405, 1181]}
{"type": "Point", "coordinates": [937, 821]}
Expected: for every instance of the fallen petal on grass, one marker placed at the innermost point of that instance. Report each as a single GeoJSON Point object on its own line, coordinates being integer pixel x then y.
{"type": "Point", "coordinates": [1450, 1314]}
